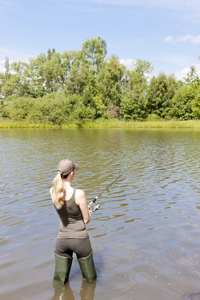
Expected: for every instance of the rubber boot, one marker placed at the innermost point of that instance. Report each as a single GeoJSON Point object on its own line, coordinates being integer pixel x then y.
{"type": "Point", "coordinates": [62, 269]}
{"type": "Point", "coordinates": [88, 268]}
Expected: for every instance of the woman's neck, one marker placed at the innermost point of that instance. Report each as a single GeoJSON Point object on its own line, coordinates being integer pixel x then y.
{"type": "Point", "coordinates": [68, 190]}
{"type": "Point", "coordinates": [67, 184]}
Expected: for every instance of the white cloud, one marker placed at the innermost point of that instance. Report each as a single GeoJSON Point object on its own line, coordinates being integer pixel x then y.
{"type": "Point", "coordinates": [128, 62]}
{"type": "Point", "coordinates": [177, 61]}
{"type": "Point", "coordinates": [183, 73]}
{"type": "Point", "coordinates": [186, 38]}
{"type": "Point", "coordinates": [169, 39]}
{"type": "Point", "coordinates": [193, 39]}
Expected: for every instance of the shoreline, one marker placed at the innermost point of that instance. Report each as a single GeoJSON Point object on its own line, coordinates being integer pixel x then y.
{"type": "Point", "coordinates": [104, 124]}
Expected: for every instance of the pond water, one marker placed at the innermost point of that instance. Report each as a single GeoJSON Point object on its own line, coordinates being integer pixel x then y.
{"type": "Point", "coordinates": [146, 234]}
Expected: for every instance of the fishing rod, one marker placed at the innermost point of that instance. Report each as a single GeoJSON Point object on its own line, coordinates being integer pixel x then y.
{"type": "Point", "coordinates": [95, 207]}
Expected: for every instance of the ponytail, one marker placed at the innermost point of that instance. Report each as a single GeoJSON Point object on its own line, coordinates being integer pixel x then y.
{"type": "Point", "coordinates": [58, 192]}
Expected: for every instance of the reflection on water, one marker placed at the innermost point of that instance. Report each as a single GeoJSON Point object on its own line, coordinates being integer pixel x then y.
{"type": "Point", "coordinates": [145, 236]}
{"type": "Point", "coordinates": [87, 291]}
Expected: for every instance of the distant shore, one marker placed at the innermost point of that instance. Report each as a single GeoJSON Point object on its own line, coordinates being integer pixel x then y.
{"type": "Point", "coordinates": [104, 124]}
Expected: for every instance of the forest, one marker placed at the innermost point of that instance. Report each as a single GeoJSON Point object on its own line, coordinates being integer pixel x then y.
{"type": "Point", "coordinates": [88, 85]}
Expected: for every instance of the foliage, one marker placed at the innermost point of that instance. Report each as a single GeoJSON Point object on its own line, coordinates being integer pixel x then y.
{"type": "Point", "coordinates": [53, 108]}
{"type": "Point", "coordinates": [110, 81]}
{"type": "Point", "coordinates": [133, 103]}
{"type": "Point", "coordinates": [160, 93]}
{"type": "Point", "coordinates": [196, 106]}
{"type": "Point", "coordinates": [94, 52]}
{"type": "Point", "coordinates": [75, 86]}
{"type": "Point", "coordinates": [185, 101]}
{"type": "Point", "coordinates": [153, 117]}
{"type": "Point", "coordinates": [181, 103]}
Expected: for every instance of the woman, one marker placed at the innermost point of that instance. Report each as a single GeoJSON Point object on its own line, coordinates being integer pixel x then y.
{"type": "Point", "coordinates": [74, 213]}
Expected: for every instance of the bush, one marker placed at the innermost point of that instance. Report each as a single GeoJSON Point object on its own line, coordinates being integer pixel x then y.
{"type": "Point", "coordinates": [181, 103]}
{"type": "Point", "coordinates": [53, 108]}
{"type": "Point", "coordinates": [196, 107]}
{"type": "Point", "coordinates": [17, 109]}
{"type": "Point", "coordinates": [153, 117]}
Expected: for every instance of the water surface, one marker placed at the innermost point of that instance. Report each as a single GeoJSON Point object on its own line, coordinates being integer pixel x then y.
{"type": "Point", "coordinates": [145, 236]}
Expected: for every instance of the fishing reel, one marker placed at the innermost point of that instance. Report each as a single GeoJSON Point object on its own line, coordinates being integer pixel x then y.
{"type": "Point", "coordinates": [94, 207]}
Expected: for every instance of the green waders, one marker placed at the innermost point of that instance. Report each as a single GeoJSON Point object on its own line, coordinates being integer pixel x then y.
{"type": "Point", "coordinates": [62, 269]}
{"type": "Point", "coordinates": [88, 268]}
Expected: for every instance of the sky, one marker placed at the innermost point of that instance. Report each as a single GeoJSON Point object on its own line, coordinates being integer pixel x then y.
{"type": "Point", "coordinates": [164, 32]}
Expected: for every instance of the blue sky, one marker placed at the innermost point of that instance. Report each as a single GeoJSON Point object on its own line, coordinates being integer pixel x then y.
{"type": "Point", "coordinates": [164, 32]}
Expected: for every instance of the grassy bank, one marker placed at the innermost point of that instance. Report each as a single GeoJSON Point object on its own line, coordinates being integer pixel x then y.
{"type": "Point", "coordinates": [18, 124]}
{"type": "Point", "coordinates": [142, 124]}
{"type": "Point", "coordinates": [105, 124]}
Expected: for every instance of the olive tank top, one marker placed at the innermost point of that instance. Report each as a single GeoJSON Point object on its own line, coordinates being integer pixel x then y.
{"type": "Point", "coordinates": [71, 220]}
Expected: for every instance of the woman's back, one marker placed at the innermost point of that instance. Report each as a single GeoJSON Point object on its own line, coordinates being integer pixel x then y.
{"type": "Point", "coordinates": [71, 220]}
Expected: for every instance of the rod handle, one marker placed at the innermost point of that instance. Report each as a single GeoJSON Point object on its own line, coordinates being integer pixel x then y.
{"type": "Point", "coordinates": [93, 201]}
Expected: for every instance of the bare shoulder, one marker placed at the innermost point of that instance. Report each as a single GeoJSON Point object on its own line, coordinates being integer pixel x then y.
{"type": "Point", "coordinates": [80, 193]}
{"type": "Point", "coordinates": [80, 196]}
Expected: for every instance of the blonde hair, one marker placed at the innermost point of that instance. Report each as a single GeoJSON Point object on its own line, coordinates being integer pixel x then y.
{"type": "Point", "coordinates": [58, 192]}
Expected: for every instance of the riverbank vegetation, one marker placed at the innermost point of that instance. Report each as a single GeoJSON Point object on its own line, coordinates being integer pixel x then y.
{"type": "Point", "coordinates": [191, 124]}
{"type": "Point", "coordinates": [85, 88]}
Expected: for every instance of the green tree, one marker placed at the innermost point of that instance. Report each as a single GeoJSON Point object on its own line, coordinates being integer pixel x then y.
{"type": "Point", "coordinates": [50, 52]}
{"type": "Point", "coordinates": [31, 80]}
{"type": "Point", "coordinates": [53, 73]}
{"type": "Point", "coordinates": [193, 82]}
{"type": "Point", "coordinates": [181, 107]}
{"type": "Point", "coordinates": [9, 81]}
{"type": "Point", "coordinates": [11, 86]}
{"type": "Point", "coordinates": [94, 52]}
{"type": "Point", "coordinates": [186, 100]}
{"type": "Point", "coordinates": [93, 60]}
{"type": "Point", "coordinates": [192, 76]}
{"type": "Point", "coordinates": [1, 85]}
{"type": "Point", "coordinates": [67, 58]}
{"type": "Point", "coordinates": [196, 106]}
{"type": "Point", "coordinates": [160, 92]}
{"type": "Point", "coordinates": [7, 69]}
{"type": "Point", "coordinates": [133, 103]}
{"type": "Point", "coordinates": [78, 76]}
{"type": "Point", "coordinates": [110, 81]}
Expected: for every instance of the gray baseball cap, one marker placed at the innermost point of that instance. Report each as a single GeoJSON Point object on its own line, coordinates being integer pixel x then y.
{"type": "Point", "coordinates": [66, 166]}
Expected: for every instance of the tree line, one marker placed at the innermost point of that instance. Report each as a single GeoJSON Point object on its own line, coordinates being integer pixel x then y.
{"type": "Point", "coordinates": [86, 84]}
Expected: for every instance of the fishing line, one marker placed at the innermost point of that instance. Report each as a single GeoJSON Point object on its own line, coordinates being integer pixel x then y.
{"type": "Point", "coordinates": [95, 207]}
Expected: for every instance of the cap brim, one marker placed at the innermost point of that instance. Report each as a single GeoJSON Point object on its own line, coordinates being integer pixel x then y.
{"type": "Point", "coordinates": [76, 166]}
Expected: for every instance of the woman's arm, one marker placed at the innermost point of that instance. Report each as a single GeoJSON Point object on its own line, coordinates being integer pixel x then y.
{"type": "Point", "coordinates": [82, 203]}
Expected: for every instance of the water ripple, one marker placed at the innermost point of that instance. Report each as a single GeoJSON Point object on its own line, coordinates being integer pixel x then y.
{"type": "Point", "coordinates": [145, 235]}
